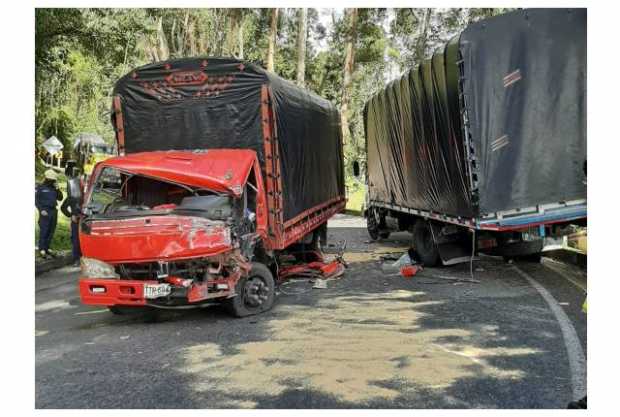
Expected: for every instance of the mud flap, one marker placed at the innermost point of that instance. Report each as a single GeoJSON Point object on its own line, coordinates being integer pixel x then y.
{"type": "Point", "coordinates": [452, 253]}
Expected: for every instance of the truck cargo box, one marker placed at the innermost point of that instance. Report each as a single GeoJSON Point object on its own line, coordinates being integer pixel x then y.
{"type": "Point", "coordinates": [493, 123]}
{"type": "Point", "coordinates": [207, 103]}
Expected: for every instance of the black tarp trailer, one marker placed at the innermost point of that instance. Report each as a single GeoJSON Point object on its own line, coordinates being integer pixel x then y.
{"type": "Point", "coordinates": [488, 135]}
{"type": "Point", "coordinates": [213, 103]}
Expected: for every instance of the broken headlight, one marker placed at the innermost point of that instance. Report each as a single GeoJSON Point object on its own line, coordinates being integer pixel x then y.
{"type": "Point", "coordinates": [93, 268]}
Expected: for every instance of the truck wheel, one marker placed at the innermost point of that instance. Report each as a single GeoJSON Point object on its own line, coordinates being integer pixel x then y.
{"type": "Point", "coordinates": [372, 226]}
{"type": "Point", "coordinates": [424, 245]}
{"type": "Point", "coordinates": [255, 292]}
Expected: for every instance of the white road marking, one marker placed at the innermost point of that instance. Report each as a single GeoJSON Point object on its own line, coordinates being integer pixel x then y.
{"type": "Point", "coordinates": [576, 357]}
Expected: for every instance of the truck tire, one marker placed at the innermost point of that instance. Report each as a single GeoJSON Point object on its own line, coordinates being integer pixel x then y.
{"type": "Point", "coordinates": [424, 245]}
{"type": "Point", "coordinates": [372, 226]}
{"type": "Point", "coordinates": [255, 292]}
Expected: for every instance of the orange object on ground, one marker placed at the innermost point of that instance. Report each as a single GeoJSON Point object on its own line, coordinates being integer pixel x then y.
{"type": "Point", "coordinates": [408, 271]}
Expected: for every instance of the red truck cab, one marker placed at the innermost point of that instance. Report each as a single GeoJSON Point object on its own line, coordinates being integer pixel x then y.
{"type": "Point", "coordinates": [173, 228]}
{"type": "Point", "coordinates": [225, 172]}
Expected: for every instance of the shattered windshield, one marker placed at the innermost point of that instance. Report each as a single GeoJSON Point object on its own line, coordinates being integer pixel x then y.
{"type": "Point", "coordinates": [119, 193]}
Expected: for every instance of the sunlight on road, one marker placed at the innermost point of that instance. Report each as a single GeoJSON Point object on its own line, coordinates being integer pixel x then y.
{"type": "Point", "coordinates": [350, 347]}
{"type": "Point", "coordinates": [53, 305]}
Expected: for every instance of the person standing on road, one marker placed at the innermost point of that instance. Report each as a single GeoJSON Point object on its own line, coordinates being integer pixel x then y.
{"type": "Point", "coordinates": [71, 208]}
{"type": "Point", "coordinates": [47, 195]}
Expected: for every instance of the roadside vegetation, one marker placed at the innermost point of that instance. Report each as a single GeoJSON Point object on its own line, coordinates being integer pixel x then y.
{"type": "Point", "coordinates": [343, 55]}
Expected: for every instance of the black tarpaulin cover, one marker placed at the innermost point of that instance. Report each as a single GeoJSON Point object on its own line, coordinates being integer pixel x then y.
{"type": "Point", "coordinates": [523, 77]}
{"type": "Point", "coordinates": [203, 103]}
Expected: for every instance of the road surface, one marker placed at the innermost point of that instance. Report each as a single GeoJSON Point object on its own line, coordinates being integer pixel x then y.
{"type": "Point", "coordinates": [371, 339]}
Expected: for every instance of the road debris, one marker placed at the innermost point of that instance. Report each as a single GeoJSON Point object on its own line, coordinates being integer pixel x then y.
{"type": "Point", "coordinates": [408, 271]}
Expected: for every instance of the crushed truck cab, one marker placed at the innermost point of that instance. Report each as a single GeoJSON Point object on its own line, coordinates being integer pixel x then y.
{"type": "Point", "coordinates": [192, 242]}
{"type": "Point", "coordinates": [225, 172]}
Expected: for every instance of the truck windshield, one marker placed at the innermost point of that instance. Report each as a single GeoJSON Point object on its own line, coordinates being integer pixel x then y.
{"type": "Point", "coordinates": [117, 193]}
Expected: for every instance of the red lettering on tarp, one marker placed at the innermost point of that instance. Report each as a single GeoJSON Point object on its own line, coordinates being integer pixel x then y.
{"type": "Point", "coordinates": [187, 78]}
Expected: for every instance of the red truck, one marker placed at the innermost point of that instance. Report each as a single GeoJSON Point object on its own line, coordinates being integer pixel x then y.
{"type": "Point", "coordinates": [224, 171]}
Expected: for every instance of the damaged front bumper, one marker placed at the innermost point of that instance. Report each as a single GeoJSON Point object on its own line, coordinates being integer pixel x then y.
{"type": "Point", "coordinates": [170, 293]}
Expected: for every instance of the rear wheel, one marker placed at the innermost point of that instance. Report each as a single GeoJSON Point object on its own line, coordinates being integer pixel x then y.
{"type": "Point", "coordinates": [372, 225]}
{"type": "Point", "coordinates": [424, 244]}
{"type": "Point", "coordinates": [255, 292]}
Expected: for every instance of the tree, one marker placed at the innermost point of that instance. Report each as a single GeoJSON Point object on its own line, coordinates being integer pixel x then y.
{"type": "Point", "coordinates": [420, 52]}
{"type": "Point", "coordinates": [347, 71]}
{"type": "Point", "coordinates": [273, 33]}
{"type": "Point", "coordinates": [301, 46]}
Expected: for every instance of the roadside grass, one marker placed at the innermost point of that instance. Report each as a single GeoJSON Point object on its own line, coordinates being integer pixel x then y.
{"type": "Point", "coordinates": [62, 236]}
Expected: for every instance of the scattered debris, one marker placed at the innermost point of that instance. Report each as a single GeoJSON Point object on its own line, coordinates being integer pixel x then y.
{"type": "Point", "coordinates": [408, 271]}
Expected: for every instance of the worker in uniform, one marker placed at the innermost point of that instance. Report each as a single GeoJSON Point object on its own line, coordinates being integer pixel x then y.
{"type": "Point", "coordinates": [46, 198]}
{"type": "Point", "coordinates": [71, 208]}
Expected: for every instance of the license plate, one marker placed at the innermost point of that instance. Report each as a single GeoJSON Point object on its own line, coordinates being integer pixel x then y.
{"type": "Point", "coordinates": [156, 290]}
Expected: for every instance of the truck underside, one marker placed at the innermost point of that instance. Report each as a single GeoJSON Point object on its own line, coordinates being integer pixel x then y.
{"type": "Point", "coordinates": [522, 234]}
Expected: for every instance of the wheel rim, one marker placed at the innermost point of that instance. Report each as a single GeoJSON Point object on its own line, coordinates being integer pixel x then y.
{"type": "Point", "coordinates": [255, 292]}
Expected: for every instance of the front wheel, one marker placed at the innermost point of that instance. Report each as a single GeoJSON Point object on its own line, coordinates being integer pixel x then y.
{"type": "Point", "coordinates": [255, 293]}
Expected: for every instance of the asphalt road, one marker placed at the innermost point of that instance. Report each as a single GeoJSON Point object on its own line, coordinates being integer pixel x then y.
{"type": "Point", "coordinates": [371, 339]}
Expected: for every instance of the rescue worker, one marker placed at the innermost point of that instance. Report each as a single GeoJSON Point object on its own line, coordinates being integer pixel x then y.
{"type": "Point", "coordinates": [47, 195]}
{"type": "Point", "coordinates": [71, 208]}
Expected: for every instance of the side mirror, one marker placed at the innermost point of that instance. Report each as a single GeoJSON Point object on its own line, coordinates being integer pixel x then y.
{"type": "Point", "coordinates": [74, 189]}
{"type": "Point", "coordinates": [356, 169]}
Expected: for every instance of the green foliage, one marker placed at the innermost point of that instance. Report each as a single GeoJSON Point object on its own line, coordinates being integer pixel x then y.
{"type": "Point", "coordinates": [80, 53]}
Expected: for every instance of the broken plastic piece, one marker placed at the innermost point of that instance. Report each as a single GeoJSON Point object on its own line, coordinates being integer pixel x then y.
{"type": "Point", "coordinates": [408, 271]}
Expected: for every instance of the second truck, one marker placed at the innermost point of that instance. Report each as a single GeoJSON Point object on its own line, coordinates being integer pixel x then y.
{"type": "Point", "coordinates": [485, 142]}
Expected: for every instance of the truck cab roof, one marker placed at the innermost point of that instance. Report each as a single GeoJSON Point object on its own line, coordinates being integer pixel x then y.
{"type": "Point", "coordinates": [221, 170]}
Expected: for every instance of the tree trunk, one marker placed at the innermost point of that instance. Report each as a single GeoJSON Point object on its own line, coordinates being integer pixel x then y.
{"type": "Point", "coordinates": [423, 36]}
{"type": "Point", "coordinates": [240, 39]}
{"type": "Point", "coordinates": [191, 38]}
{"type": "Point", "coordinates": [301, 46]}
{"type": "Point", "coordinates": [273, 33]}
{"type": "Point", "coordinates": [349, 62]}
{"type": "Point", "coordinates": [163, 52]}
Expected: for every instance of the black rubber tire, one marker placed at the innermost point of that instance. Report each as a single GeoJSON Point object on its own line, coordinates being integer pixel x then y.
{"type": "Point", "coordinates": [384, 235]}
{"type": "Point", "coordinates": [239, 305]}
{"type": "Point", "coordinates": [424, 245]}
{"type": "Point", "coordinates": [372, 226]}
